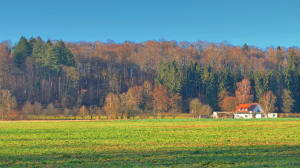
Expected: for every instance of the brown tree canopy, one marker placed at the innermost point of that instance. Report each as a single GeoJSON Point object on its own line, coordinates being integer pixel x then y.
{"type": "Point", "coordinates": [242, 93]}
{"type": "Point", "coordinates": [160, 98]}
{"type": "Point", "coordinates": [112, 105]}
{"type": "Point", "coordinates": [228, 104]}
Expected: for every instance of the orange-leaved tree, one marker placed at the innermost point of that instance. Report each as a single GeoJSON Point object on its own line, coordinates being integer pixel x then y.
{"type": "Point", "coordinates": [229, 103]}
{"type": "Point", "coordinates": [160, 98]}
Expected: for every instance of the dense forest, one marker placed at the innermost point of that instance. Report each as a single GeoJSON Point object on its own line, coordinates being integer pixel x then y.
{"type": "Point", "coordinates": [87, 79]}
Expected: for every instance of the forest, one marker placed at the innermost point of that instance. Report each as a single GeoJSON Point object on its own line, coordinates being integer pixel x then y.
{"type": "Point", "coordinates": [129, 79]}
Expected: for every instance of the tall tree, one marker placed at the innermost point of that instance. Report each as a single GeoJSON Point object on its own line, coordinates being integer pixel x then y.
{"type": "Point", "coordinates": [21, 51]}
{"type": "Point", "coordinates": [210, 86]}
{"type": "Point", "coordinates": [8, 104]}
{"type": "Point", "coordinates": [229, 103]}
{"type": "Point", "coordinates": [63, 54]}
{"type": "Point", "coordinates": [267, 101]}
{"type": "Point", "coordinates": [160, 98]}
{"type": "Point", "coordinates": [242, 93]}
{"type": "Point", "coordinates": [83, 112]}
{"type": "Point", "coordinates": [134, 101]}
{"type": "Point", "coordinates": [222, 95]}
{"type": "Point", "coordinates": [195, 107]}
{"type": "Point", "coordinates": [171, 75]}
{"type": "Point", "coordinates": [292, 78]}
{"type": "Point", "coordinates": [112, 106]}
{"type": "Point", "coordinates": [287, 101]}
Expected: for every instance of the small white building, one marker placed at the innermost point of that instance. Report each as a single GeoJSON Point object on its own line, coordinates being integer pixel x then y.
{"type": "Point", "coordinates": [222, 114]}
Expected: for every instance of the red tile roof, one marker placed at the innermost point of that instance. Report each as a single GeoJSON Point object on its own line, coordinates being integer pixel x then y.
{"type": "Point", "coordinates": [244, 107]}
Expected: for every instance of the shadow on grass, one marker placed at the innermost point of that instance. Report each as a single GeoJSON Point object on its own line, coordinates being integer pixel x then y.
{"type": "Point", "coordinates": [249, 156]}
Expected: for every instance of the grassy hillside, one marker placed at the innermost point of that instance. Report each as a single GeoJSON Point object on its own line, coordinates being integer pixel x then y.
{"type": "Point", "coordinates": [148, 143]}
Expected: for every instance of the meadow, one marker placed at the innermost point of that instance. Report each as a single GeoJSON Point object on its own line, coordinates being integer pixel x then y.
{"type": "Point", "coordinates": [151, 143]}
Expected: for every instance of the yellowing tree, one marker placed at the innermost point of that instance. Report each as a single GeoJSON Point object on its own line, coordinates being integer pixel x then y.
{"type": "Point", "coordinates": [27, 109]}
{"type": "Point", "coordinates": [112, 106]}
{"type": "Point", "coordinates": [206, 110]}
{"type": "Point", "coordinates": [7, 104]}
{"type": "Point", "coordinates": [195, 108]}
{"type": "Point", "coordinates": [134, 101]}
{"type": "Point", "coordinates": [134, 96]}
{"type": "Point", "coordinates": [83, 112]}
{"type": "Point", "coordinates": [267, 101]}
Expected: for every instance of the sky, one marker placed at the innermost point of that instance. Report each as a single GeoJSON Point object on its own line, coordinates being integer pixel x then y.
{"type": "Point", "coordinates": [260, 23]}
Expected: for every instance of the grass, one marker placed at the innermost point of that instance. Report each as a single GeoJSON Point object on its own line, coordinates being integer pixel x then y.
{"type": "Point", "coordinates": [149, 143]}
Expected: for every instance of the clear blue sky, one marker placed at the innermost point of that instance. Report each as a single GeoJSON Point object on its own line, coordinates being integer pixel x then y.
{"type": "Point", "coordinates": [257, 22]}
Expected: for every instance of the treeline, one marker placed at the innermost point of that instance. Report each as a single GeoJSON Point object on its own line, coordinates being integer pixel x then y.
{"type": "Point", "coordinates": [56, 78]}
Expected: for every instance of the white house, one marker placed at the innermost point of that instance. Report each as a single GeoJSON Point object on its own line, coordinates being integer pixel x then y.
{"type": "Point", "coordinates": [252, 110]}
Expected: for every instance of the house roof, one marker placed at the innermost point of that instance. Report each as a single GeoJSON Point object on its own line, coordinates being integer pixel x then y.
{"type": "Point", "coordinates": [245, 108]}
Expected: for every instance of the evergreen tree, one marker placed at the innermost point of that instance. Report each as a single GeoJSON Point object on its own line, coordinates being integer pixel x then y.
{"type": "Point", "coordinates": [287, 101]}
{"type": "Point", "coordinates": [21, 51]}
{"type": "Point", "coordinates": [245, 47]}
{"type": "Point", "coordinates": [193, 81]}
{"type": "Point", "coordinates": [171, 75]}
{"type": "Point", "coordinates": [38, 50]}
{"type": "Point", "coordinates": [258, 85]}
{"type": "Point", "coordinates": [210, 86]}
{"type": "Point", "coordinates": [292, 78]}
{"type": "Point", "coordinates": [225, 80]}
{"type": "Point", "coordinates": [63, 54]}
{"type": "Point", "coordinates": [49, 61]}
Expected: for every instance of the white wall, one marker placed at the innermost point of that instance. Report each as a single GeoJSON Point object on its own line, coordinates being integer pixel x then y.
{"type": "Point", "coordinates": [215, 115]}
{"type": "Point", "coordinates": [237, 115]}
{"type": "Point", "coordinates": [257, 115]}
{"type": "Point", "coordinates": [272, 115]}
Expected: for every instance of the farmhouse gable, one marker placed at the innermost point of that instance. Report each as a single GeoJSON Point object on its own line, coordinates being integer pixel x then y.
{"type": "Point", "coordinates": [249, 108]}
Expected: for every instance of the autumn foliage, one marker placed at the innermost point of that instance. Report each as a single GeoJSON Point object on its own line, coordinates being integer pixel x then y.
{"type": "Point", "coordinates": [124, 80]}
{"type": "Point", "coordinates": [160, 98]}
{"type": "Point", "coordinates": [229, 103]}
{"type": "Point", "coordinates": [267, 101]}
{"type": "Point", "coordinates": [242, 93]}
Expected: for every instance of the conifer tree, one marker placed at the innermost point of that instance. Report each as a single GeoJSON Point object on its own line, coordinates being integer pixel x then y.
{"type": "Point", "coordinates": [21, 51]}
{"type": "Point", "coordinates": [287, 101]}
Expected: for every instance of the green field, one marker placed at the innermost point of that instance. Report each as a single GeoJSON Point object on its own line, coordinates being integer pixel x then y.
{"type": "Point", "coordinates": [149, 143]}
